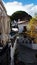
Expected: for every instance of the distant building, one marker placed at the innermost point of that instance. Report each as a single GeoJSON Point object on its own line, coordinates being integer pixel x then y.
{"type": "Point", "coordinates": [22, 25]}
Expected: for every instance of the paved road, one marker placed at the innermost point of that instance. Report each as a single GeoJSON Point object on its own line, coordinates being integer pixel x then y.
{"type": "Point", "coordinates": [12, 53]}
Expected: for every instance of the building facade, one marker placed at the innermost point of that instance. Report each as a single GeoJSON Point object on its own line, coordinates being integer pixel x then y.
{"type": "Point", "coordinates": [4, 24]}
{"type": "Point", "coordinates": [22, 25]}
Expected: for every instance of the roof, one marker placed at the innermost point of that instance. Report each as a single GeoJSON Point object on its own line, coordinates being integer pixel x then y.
{"type": "Point", "coordinates": [22, 22]}
{"type": "Point", "coordinates": [3, 5]}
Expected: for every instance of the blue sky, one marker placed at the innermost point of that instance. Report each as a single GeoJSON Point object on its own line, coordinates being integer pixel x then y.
{"type": "Point", "coordinates": [29, 6]}
{"type": "Point", "coordinates": [23, 1]}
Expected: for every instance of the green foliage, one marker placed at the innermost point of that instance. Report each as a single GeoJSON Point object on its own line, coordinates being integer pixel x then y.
{"type": "Point", "coordinates": [22, 15]}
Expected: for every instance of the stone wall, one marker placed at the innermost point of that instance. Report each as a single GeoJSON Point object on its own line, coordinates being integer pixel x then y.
{"type": "Point", "coordinates": [4, 24]}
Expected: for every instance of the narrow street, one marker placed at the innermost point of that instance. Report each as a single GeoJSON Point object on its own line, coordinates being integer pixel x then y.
{"type": "Point", "coordinates": [12, 53]}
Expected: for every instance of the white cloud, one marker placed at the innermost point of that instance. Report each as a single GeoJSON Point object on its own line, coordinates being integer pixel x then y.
{"type": "Point", "coordinates": [12, 7]}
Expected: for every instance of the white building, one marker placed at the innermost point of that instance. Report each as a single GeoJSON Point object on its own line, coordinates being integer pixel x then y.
{"type": "Point", "coordinates": [21, 25]}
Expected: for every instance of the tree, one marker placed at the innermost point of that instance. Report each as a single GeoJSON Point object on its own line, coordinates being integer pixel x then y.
{"type": "Point", "coordinates": [32, 27]}
{"type": "Point", "coordinates": [22, 15]}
